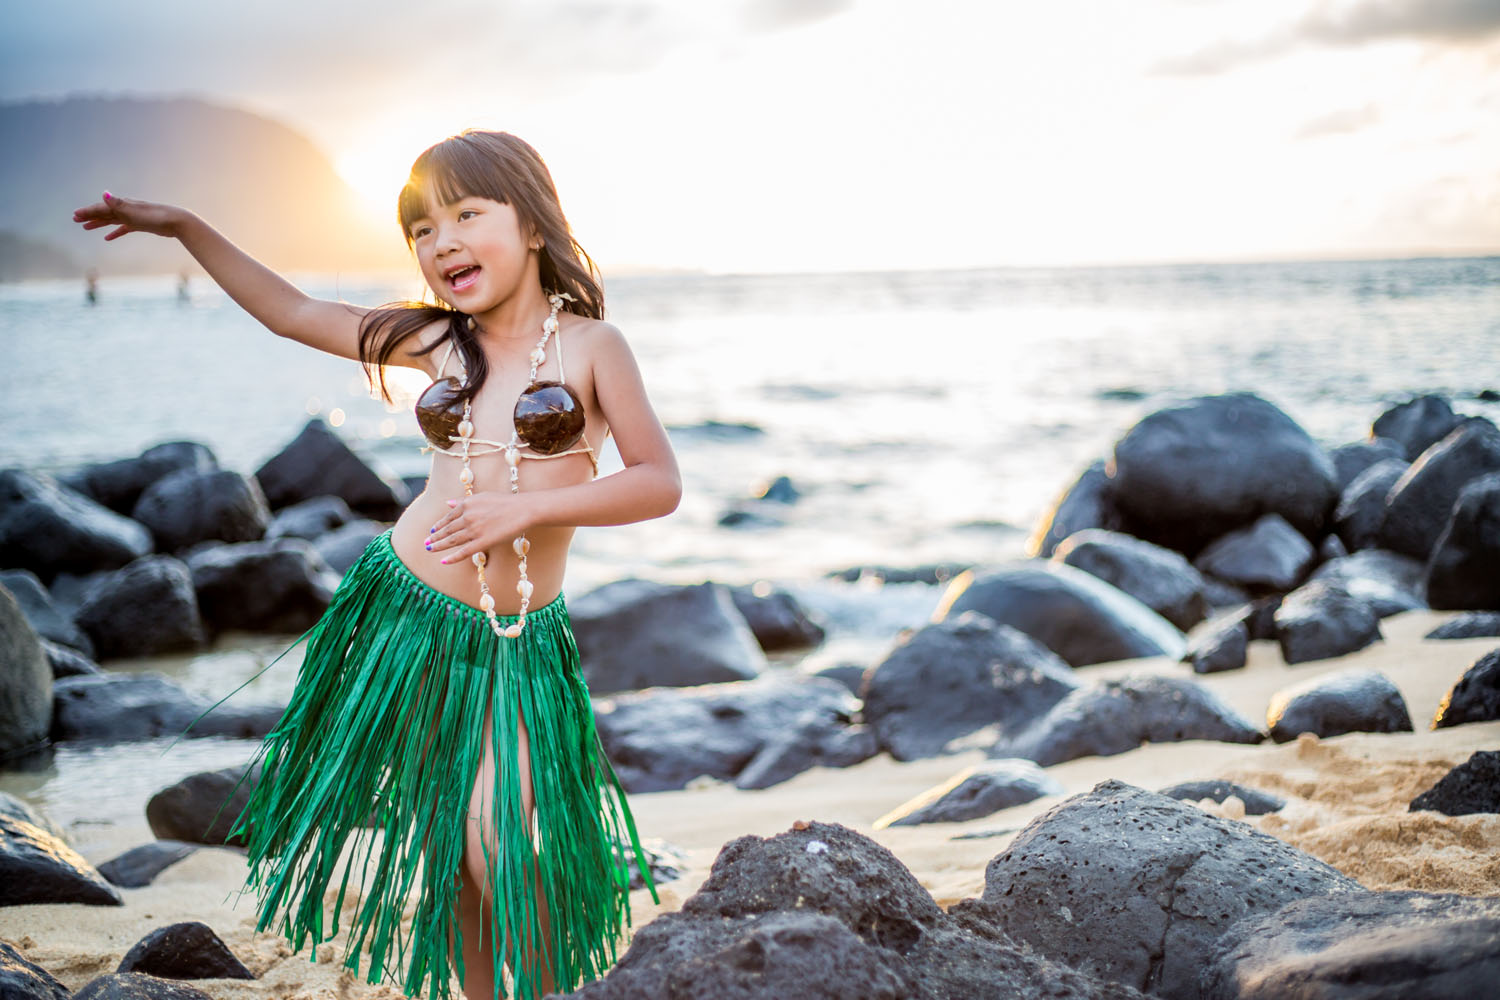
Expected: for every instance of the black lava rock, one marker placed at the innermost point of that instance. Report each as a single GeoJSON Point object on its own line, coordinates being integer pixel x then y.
{"type": "Point", "coordinates": [1078, 616]}
{"type": "Point", "coordinates": [1360, 515]}
{"type": "Point", "coordinates": [1220, 645]}
{"type": "Point", "coordinates": [1361, 946]}
{"type": "Point", "coordinates": [310, 519]}
{"type": "Point", "coordinates": [1159, 578]}
{"type": "Point", "coordinates": [49, 621]}
{"type": "Point", "coordinates": [22, 979]}
{"type": "Point", "coordinates": [66, 661]}
{"type": "Point", "coordinates": [1320, 620]}
{"type": "Point", "coordinates": [25, 682]}
{"type": "Point", "coordinates": [636, 634]}
{"type": "Point", "coordinates": [148, 607]}
{"type": "Point", "coordinates": [140, 865]}
{"type": "Point", "coordinates": [1472, 625]}
{"type": "Point", "coordinates": [1349, 701]}
{"type": "Point", "coordinates": [1471, 787]}
{"type": "Point", "coordinates": [1088, 503]}
{"type": "Point", "coordinates": [38, 867]}
{"type": "Point", "coordinates": [752, 732]}
{"type": "Point", "coordinates": [1388, 582]}
{"type": "Point", "coordinates": [279, 586]}
{"type": "Point", "coordinates": [776, 619]}
{"type": "Point", "coordinates": [956, 678]}
{"type": "Point", "coordinates": [1257, 802]}
{"type": "Point", "coordinates": [1417, 424]}
{"type": "Point", "coordinates": [1350, 460]}
{"type": "Point", "coordinates": [49, 529]}
{"type": "Point", "coordinates": [1129, 885]}
{"type": "Point", "coordinates": [187, 950]}
{"type": "Point", "coordinates": [188, 507]}
{"type": "Point", "coordinates": [119, 484]}
{"type": "Point", "coordinates": [1421, 503]}
{"type": "Point", "coordinates": [1462, 571]}
{"type": "Point", "coordinates": [1186, 475]}
{"type": "Point", "coordinates": [1116, 716]}
{"type": "Point", "coordinates": [341, 547]}
{"type": "Point", "coordinates": [1268, 555]}
{"type": "Point", "coordinates": [318, 463]}
{"type": "Point", "coordinates": [975, 791]}
{"type": "Point", "coordinates": [202, 808]}
{"type": "Point", "coordinates": [138, 986]}
{"type": "Point", "coordinates": [113, 707]}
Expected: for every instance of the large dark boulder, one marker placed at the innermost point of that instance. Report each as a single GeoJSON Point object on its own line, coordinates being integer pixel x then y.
{"type": "Point", "coordinates": [1268, 555]}
{"type": "Point", "coordinates": [67, 661]}
{"type": "Point", "coordinates": [1186, 475]}
{"type": "Point", "coordinates": [1471, 787]}
{"type": "Point", "coordinates": [1416, 425]}
{"type": "Point", "coordinates": [49, 621]}
{"type": "Point", "coordinates": [1116, 716]}
{"type": "Point", "coordinates": [1159, 578]}
{"type": "Point", "coordinates": [1088, 503]}
{"type": "Point", "coordinates": [310, 519]}
{"type": "Point", "coordinates": [23, 979]}
{"type": "Point", "coordinates": [751, 732]}
{"type": "Point", "coordinates": [1464, 568]}
{"type": "Point", "coordinates": [1078, 616]}
{"type": "Point", "coordinates": [140, 865]}
{"type": "Point", "coordinates": [1356, 700]}
{"type": "Point", "coordinates": [959, 677]}
{"type": "Point", "coordinates": [1388, 582]}
{"type": "Point", "coordinates": [636, 634]}
{"type": "Point", "coordinates": [776, 618]}
{"type": "Point", "coordinates": [188, 507]}
{"type": "Point", "coordinates": [1350, 460]}
{"type": "Point", "coordinates": [186, 950]}
{"type": "Point", "coordinates": [1476, 696]}
{"type": "Point", "coordinates": [1131, 886]}
{"type": "Point", "coordinates": [1421, 503]}
{"type": "Point", "coordinates": [343, 546]}
{"type": "Point", "coordinates": [149, 607]}
{"type": "Point", "coordinates": [50, 529]}
{"type": "Point", "coordinates": [975, 791]}
{"type": "Point", "coordinates": [113, 707]}
{"type": "Point", "coordinates": [202, 808]}
{"type": "Point", "coordinates": [318, 463]}
{"type": "Point", "coordinates": [280, 586]}
{"type": "Point", "coordinates": [1220, 645]}
{"type": "Point", "coordinates": [1360, 515]}
{"type": "Point", "coordinates": [38, 867]}
{"type": "Point", "coordinates": [1320, 620]}
{"type": "Point", "coordinates": [120, 483]}
{"type": "Point", "coordinates": [138, 986]}
{"type": "Point", "coordinates": [821, 911]}
{"type": "Point", "coordinates": [1361, 946]}
{"type": "Point", "coordinates": [1472, 625]}
{"type": "Point", "coordinates": [25, 682]}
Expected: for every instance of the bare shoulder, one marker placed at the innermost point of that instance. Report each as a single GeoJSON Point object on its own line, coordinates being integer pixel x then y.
{"type": "Point", "coordinates": [600, 341]}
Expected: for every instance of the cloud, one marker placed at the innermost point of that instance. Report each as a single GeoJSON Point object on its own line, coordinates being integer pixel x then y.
{"type": "Point", "coordinates": [1453, 22]}
{"type": "Point", "coordinates": [1338, 122]}
{"type": "Point", "coordinates": [774, 15]}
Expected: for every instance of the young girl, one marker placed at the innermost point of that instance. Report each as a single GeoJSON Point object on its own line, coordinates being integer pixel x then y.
{"type": "Point", "coordinates": [440, 699]}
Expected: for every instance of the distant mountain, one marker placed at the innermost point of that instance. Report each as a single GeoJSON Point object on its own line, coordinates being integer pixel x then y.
{"type": "Point", "coordinates": [260, 183]}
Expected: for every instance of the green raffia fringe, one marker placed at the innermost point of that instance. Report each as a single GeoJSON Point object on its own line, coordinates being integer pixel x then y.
{"type": "Point", "coordinates": [391, 665]}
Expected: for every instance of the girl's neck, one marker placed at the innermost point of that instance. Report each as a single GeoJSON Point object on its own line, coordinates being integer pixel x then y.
{"type": "Point", "coordinates": [518, 318]}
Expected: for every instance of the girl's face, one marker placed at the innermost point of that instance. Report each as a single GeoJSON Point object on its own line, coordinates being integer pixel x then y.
{"type": "Point", "coordinates": [473, 253]}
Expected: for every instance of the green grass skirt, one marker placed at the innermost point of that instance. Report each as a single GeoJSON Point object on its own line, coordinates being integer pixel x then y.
{"type": "Point", "coordinates": [392, 665]}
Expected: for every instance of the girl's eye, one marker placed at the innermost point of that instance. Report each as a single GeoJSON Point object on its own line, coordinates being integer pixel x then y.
{"type": "Point", "coordinates": [467, 211]}
{"type": "Point", "coordinates": [420, 232]}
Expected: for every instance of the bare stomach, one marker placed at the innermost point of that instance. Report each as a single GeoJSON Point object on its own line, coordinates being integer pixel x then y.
{"type": "Point", "coordinates": [545, 562]}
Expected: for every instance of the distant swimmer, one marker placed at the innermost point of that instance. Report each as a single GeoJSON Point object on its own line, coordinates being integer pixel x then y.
{"type": "Point", "coordinates": [183, 295]}
{"type": "Point", "coordinates": [91, 286]}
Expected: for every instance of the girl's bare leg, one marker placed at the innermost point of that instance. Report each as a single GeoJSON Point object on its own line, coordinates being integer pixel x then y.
{"type": "Point", "coordinates": [475, 906]}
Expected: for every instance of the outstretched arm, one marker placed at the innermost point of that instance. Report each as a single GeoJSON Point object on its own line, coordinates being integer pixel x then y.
{"type": "Point", "coordinates": [649, 486]}
{"type": "Point", "coordinates": [278, 304]}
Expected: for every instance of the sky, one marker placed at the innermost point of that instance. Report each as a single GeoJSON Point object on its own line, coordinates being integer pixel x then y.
{"type": "Point", "coordinates": [789, 135]}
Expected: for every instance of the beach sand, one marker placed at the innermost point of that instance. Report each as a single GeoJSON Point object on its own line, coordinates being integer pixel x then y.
{"type": "Point", "coordinates": [1347, 804]}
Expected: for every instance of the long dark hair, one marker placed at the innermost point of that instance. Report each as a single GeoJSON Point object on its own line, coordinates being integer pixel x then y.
{"type": "Point", "coordinates": [503, 168]}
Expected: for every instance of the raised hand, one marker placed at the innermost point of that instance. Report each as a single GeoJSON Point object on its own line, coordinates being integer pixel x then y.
{"type": "Point", "coordinates": [130, 215]}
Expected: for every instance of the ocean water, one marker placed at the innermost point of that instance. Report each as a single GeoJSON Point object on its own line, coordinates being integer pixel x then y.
{"type": "Point", "coordinates": [922, 416]}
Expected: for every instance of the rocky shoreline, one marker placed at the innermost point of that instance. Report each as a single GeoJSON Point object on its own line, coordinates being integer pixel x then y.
{"type": "Point", "coordinates": [1220, 584]}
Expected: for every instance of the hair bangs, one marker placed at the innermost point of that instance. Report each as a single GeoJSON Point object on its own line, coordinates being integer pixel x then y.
{"type": "Point", "coordinates": [452, 170]}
